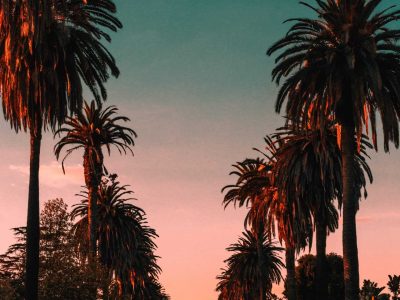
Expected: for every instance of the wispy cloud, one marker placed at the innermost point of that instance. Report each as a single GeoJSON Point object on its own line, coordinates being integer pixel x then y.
{"type": "Point", "coordinates": [393, 215]}
{"type": "Point", "coordinates": [365, 219]}
{"type": "Point", "coordinates": [52, 175]}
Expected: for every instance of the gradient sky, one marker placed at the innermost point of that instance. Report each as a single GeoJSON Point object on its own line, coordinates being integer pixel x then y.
{"type": "Point", "coordinates": [196, 83]}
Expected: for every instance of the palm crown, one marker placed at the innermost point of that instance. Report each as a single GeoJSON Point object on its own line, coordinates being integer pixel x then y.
{"type": "Point", "coordinates": [344, 64]}
{"type": "Point", "coordinates": [308, 166]}
{"type": "Point", "coordinates": [255, 189]}
{"type": "Point", "coordinates": [125, 241]}
{"type": "Point", "coordinates": [94, 128]}
{"type": "Point", "coordinates": [42, 73]}
{"type": "Point", "coordinates": [244, 274]}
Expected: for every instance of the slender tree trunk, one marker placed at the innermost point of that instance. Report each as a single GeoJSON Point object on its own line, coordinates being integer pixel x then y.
{"type": "Point", "coordinates": [350, 251]}
{"type": "Point", "coordinates": [90, 180]}
{"type": "Point", "coordinates": [321, 274]}
{"type": "Point", "coordinates": [93, 165]}
{"type": "Point", "coordinates": [32, 230]}
{"type": "Point", "coordinates": [92, 186]}
{"type": "Point", "coordinates": [92, 200]}
{"type": "Point", "coordinates": [290, 282]}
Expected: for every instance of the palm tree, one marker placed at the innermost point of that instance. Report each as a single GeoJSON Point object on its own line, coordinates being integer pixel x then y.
{"type": "Point", "coordinates": [370, 290]}
{"type": "Point", "coordinates": [293, 223]}
{"type": "Point", "coordinates": [307, 169]}
{"type": "Point", "coordinates": [126, 246]}
{"type": "Point", "coordinates": [344, 65]}
{"type": "Point", "coordinates": [269, 209]}
{"type": "Point", "coordinates": [394, 286]}
{"type": "Point", "coordinates": [252, 268]}
{"type": "Point", "coordinates": [92, 130]}
{"type": "Point", "coordinates": [300, 180]}
{"type": "Point", "coordinates": [48, 50]}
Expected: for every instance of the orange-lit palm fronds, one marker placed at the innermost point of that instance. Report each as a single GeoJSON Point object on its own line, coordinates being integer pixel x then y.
{"type": "Point", "coordinates": [44, 66]}
{"type": "Point", "coordinates": [94, 128]}
{"type": "Point", "coordinates": [91, 130]}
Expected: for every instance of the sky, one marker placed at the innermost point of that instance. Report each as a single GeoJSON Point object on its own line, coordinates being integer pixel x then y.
{"type": "Point", "coordinates": [196, 84]}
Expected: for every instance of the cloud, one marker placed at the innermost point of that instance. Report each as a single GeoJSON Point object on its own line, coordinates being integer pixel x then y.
{"type": "Point", "coordinates": [52, 175]}
{"type": "Point", "coordinates": [21, 169]}
{"type": "Point", "coordinates": [393, 215]}
{"type": "Point", "coordinates": [365, 219]}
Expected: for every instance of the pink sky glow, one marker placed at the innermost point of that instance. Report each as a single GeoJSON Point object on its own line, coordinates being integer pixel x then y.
{"type": "Point", "coordinates": [195, 82]}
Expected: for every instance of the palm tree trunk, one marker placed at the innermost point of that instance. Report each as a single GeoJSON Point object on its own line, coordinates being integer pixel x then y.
{"type": "Point", "coordinates": [290, 282]}
{"type": "Point", "coordinates": [32, 230]}
{"type": "Point", "coordinates": [93, 165]}
{"type": "Point", "coordinates": [350, 251]}
{"type": "Point", "coordinates": [90, 180]}
{"type": "Point", "coordinates": [321, 276]}
{"type": "Point", "coordinates": [92, 186]}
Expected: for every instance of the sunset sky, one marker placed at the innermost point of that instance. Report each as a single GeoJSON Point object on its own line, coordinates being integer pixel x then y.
{"type": "Point", "coordinates": [196, 83]}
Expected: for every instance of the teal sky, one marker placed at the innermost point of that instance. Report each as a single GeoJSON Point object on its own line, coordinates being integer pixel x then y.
{"type": "Point", "coordinates": [196, 83]}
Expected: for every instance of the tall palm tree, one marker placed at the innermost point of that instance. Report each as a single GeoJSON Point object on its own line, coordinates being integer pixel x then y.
{"type": "Point", "coordinates": [92, 130]}
{"type": "Point", "coordinates": [293, 223]}
{"type": "Point", "coordinates": [48, 48]}
{"type": "Point", "coordinates": [300, 181]}
{"type": "Point", "coordinates": [269, 209]}
{"type": "Point", "coordinates": [252, 268]}
{"type": "Point", "coordinates": [126, 243]}
{"type": "Point", "coordinates": [344, 64]}
{"type": "Point", "coordinates": [308, 169]}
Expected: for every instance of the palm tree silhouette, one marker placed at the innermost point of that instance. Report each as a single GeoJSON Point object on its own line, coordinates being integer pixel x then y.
{"type": "Point", "coordinates": [126, 242]}
{"type": "Point", "coordinates": [394, 286]}
{"type": "Point", "coordinates": [294, 188]}
{"type": "Point", "coordinates": [92, 130]}
{"type": "Point", "coordinates": [48, 49]}
{"type": "Point", "coordinates": [345, 65]}
{"type": "Point", "coordinates": [370, 290]}
{"type": "Point", "coordinates": [252, 268]}
{"type": "Point", "coordinates": [268, 208]}
{"type": "Point", "coordinates": [308, 169]}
